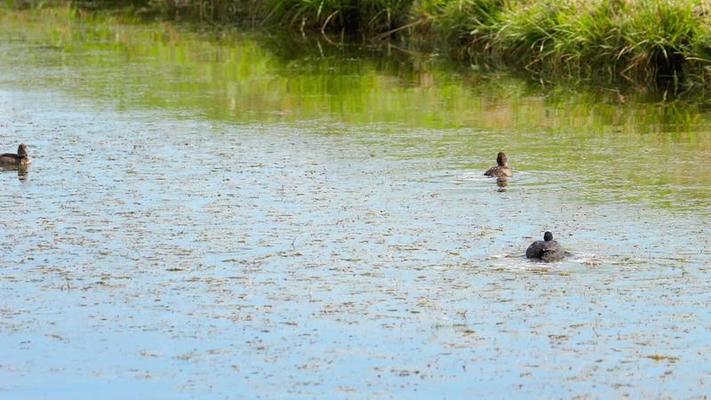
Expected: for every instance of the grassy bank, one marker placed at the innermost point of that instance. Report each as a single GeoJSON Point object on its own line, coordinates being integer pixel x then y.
{"type": "Point", "coordinates": [647, 42]}
{"type": "Point", "coordinates": [652, 42]}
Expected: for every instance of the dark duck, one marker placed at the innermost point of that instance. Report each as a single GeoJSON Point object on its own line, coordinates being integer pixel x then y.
{"type": "Point", "coordinates": [545, 250]}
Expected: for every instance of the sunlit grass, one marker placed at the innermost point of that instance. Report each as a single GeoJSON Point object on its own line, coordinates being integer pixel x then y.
{"type": "Point", "coordinates": [650, 41]}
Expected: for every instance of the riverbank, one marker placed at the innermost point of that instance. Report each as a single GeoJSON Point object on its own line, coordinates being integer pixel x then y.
{"type": "Point", "coordinates": [659, 43]}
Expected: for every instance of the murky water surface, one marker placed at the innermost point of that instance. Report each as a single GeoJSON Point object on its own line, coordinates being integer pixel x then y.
{"type": "Point", "coordinates": [230, 218]}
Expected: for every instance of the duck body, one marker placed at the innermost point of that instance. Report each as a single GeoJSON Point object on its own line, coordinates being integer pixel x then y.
{"type": "Point", "coordinates": [499, 172]}
{"type": "Point", "coordinates": [502, 169]}
{"type": "Point", "coordinates": [547, 250]}
{"type": "Point", "coordinates": [16, 160]}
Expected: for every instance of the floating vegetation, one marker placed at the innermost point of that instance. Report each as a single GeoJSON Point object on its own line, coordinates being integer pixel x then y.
{"type": "Point", "coordinates": [660, 357]}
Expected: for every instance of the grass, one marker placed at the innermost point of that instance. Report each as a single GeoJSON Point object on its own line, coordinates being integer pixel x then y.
{"type": "Point", "coordinates": [651, 42]}
{"type": "Point", "coordinates": [351, 16]}
{"type": "Point", "coordinates": [648, 42]}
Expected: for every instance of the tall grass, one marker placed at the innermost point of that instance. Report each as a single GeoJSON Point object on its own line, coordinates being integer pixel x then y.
{"type": "Point", "coordinates": [639, 40]}
{"type": "Point", "coordinates": [351, 16]}
{"type": "Point", "coordinates": [651, 41]}
{"type": "Point", "coordinates": [465, 23]}
{"type": "Point", "coordinates": [348, 16]}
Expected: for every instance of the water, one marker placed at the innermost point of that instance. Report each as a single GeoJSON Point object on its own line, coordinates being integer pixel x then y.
{"type": "Point", "coordinates": [227, 218]}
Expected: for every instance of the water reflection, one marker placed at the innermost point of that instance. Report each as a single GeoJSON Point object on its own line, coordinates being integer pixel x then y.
{"type": "Point", "coordinates": [502, 183]}
{"type": "Point", "coordinates": [22, 171]}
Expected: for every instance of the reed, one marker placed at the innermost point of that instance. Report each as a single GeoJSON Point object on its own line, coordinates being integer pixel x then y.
{"type": "Point", "coordinates": [369, 17]}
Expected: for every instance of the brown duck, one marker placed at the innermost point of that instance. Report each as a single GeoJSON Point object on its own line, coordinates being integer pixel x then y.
{"type": "Point", "coordinates": [15, 160]}
{"type": "Point", "coordinates": [502, 169]}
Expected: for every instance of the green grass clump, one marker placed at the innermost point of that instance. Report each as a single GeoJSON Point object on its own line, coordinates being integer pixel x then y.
{"type": "Point", "coordinates": [472, 22]}
{"type": "Point", "coordinates": [536, 31]}
{"type": "Point", "coordinates": [660, 37]}
{"type": "Point", "coordinates": [650, 41]}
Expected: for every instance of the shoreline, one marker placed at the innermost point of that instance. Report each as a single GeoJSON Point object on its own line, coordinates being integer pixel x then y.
{"type": "Point", "coordinates": [657, 44]}
{"type": "Point", "coordinates": [536, 39]}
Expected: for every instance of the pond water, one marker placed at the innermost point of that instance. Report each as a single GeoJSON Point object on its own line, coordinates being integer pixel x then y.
{"type": "Point", "coordinates": [234, 216]}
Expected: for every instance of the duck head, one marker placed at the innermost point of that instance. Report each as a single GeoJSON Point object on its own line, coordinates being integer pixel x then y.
{"type": "Point", "coordinates": [501, 159]}
{"type": "Point", "coordinates": [547, 236]}
{"type": "Point", "coordinates": [22, 151]}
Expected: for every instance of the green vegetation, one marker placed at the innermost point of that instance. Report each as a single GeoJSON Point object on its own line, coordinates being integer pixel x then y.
{"type": "Point", "coordinates": [649, 42]}
{"type": "Point", "coordinates": [644, 41]}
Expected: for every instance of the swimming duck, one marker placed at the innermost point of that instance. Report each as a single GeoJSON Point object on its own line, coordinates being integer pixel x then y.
{"type": "Point", "coordinates": [545, 250]}
{"type": "Point", "coordinates": [16, 160]}
{"type": "Point", "coordinates": [502, 169]}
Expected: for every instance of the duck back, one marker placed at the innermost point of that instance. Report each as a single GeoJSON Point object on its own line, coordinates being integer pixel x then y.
{"type": "Point", "coordinates": [499, 172]}
{"type": "Point", "coordinates": [9, 159]}
{"type": "Point", "coordinates": [545, 250]}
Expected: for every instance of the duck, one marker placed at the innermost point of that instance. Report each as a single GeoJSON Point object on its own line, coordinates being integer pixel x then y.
{"type": "Point", "coordinates": [16, 160]}
{"type": "Point", "coordinates": [502, 169]}
{"type": "Point", "coordinates": [545, 250]}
